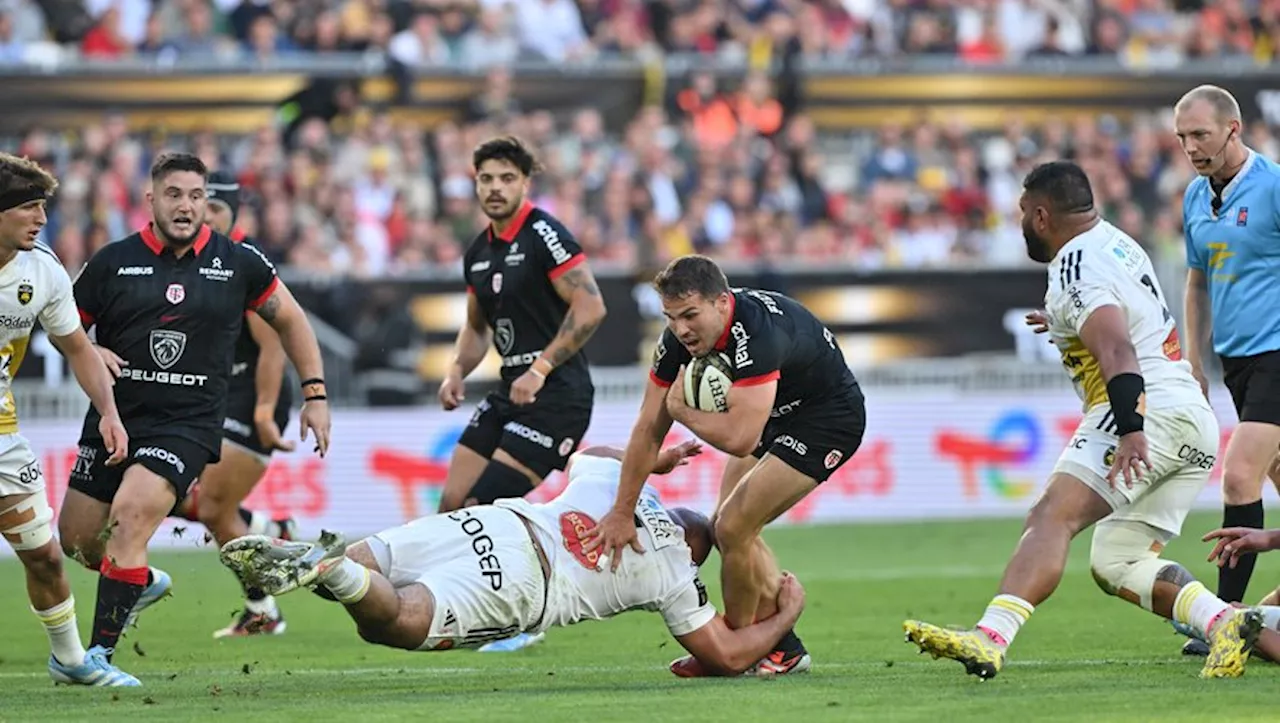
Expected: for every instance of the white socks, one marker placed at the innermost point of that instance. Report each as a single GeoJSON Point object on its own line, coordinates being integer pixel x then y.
{"type": "Point", "coordinates": [1004, 617]}
{"type": "Point", "coordinates": [348, 581]}
{"type": "Point", "coordinates": [1197, 607]}
{"type": "Point", "coordinates": [64, 637]}
{"type": "Point", "coordinates": [265, 606]}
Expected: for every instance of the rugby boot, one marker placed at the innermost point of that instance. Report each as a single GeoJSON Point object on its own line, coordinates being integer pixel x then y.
{"type": "Point", "coordinates": [1231, 640]}
{"type": "Point", "coordinates": [979, 654]}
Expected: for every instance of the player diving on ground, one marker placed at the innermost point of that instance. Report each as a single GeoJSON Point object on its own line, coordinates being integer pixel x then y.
{"type": "Point", "coordinates": [465, 578]}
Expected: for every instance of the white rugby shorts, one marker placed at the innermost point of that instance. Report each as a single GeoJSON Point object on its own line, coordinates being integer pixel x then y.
{"type": "Point", "coordinates": [20, 472]}
{"type": "Point", "coordinates": [482, 569]}
{"type": "Point", "coordinates": [1182, 444]}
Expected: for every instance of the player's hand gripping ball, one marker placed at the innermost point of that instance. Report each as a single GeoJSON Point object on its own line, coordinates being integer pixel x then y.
{"type": "Point", "coordinates": [706, 382]}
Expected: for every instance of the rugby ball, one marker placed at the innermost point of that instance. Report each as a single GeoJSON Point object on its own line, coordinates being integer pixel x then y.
{"type": "Point", "coordinates": [706, 382]}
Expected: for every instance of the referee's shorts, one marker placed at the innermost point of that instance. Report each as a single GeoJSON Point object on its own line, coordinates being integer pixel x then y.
{"type": "Point", "coordinates": [1254, 383]}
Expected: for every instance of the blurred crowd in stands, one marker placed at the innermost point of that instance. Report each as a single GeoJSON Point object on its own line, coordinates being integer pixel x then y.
{"type": "Point", "coordinates": [735, 171]}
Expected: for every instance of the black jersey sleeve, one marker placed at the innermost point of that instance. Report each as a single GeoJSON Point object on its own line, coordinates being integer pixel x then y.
{"type": "Point", "coordinates": [87, 288]}
{"type": "Point", "coordinates": [668, 356]}
{"type": "Point", "coordinates": [260, 275]}
{"type": "Point", "coordinates": [556, 249]}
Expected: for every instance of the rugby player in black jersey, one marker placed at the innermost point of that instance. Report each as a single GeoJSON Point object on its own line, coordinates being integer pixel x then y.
{"type": "Point", "coordinates": [795, 415]}
{"type": "Point", "coordinates": [530, 292]}
{"type": "Point", "coordinates": [257, 412]}
{"type": "Point", "coordinates": [170, 302]}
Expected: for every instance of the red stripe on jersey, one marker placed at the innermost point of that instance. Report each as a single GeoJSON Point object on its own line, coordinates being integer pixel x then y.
{"type": "Point", "coordinates": [758, 379]}
{"type": "Point", "coordinates": [471, 289]}
{"type": "Point", "coordinates": [653, 377]}
{"type": "Point", "coordinates": [271, 289]}
{"type": "Point", "coordinates": [85, 317]}
{"type": "Point", "coordinates": [723, 342]}
{"type": "Point", "coordinates": [567, 266]}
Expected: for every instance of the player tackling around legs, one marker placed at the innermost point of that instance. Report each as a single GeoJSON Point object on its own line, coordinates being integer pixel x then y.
{"type": "Point", "coordinates": [461, 579]}
{"type": "Point", "coordinates": [1139, 458]}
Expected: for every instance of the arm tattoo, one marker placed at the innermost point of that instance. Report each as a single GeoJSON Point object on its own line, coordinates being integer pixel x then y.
{"type": "Point", "coordinates": [580, 279]}
{"type": "Point", "coordinates": [578, 334]}
{"type": "Point", "coordinates": [270, 308]}
{"type": "Point", "coordinates": [1176, 575]}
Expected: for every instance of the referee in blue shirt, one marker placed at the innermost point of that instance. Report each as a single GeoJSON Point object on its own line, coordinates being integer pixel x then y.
{"type": "Point", "coordinates": [1231, 220]}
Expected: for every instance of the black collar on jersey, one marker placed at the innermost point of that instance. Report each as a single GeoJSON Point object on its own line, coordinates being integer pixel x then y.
{"type": "Point", "coordinates": [723, 342]}
{"type": "Point", "coordinates": [22, 196]}
{"type": "Point", "coordinates": [157, 246]}
{"type": "Point", "coordinates": [517, 223]}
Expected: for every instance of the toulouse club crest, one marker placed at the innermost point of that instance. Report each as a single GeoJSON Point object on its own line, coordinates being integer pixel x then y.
{"type": "Point", "coordinates": [175, 293]}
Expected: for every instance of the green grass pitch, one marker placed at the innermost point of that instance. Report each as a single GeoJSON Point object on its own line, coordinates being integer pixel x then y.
{"type": "Point", "coordinates": [1083, 656]}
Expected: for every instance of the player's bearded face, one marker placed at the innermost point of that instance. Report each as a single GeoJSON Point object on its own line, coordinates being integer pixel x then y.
{"type": "Point", "coordinates": [178, 207]}
{"type": "Point", "coordinates": [20, 226]}
{"type": "Point", "coordinates": [1037, 246]}
{"type": "Point", "coordinates": [696, 320]}
{"type": "Point", "coordinates": [500, 188]}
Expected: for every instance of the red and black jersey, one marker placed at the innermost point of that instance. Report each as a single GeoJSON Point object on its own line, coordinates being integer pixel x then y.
{"type": "Point", "coordinates": [175, 321]}
{"type": "Point", "coordinates": [770, 336]}
{"type": "Point", "coordinates": [511, 275]}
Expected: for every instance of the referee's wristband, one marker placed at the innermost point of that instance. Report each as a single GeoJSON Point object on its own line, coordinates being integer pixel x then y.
{"type": "Point", "coordinates": [1127, 393]}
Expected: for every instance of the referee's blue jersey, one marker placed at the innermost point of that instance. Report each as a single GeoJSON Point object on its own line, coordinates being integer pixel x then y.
{"type": "Point", "coordinates": [1238, 249]}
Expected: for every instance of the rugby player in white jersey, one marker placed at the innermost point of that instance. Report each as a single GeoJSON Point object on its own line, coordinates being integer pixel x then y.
{"type": "Point", "coordinates": [34, 287]}
{"type": "Point", "coordinates": [478, 574]}
{"type": "Point", "coordinates": [1139, 458]}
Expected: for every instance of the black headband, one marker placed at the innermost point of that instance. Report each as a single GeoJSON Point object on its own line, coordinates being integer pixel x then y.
{"type": "Point", "coordinates": [21, 196]}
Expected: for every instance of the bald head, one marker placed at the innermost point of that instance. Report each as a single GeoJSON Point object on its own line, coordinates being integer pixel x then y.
{"type": "Point", "coordinates": [1207, 121]}
{"type": "Point", "coordinates": [1224, 105]}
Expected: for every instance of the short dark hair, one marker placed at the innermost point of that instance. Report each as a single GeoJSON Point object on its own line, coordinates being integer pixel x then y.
{"type": "Point", "coordinates": [23, 174]}
{"type": "Point", "coordinates": [167, 163]}
{"type": "Point", "coordinates": [691, 274]}
{"type": "Point", "coordinates": [506, 148]}
{"type": "Point", "coordinates": [1063, 184]}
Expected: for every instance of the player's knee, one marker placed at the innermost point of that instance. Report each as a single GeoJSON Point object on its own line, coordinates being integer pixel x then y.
{"type": "Point", "coordinates": [1240, 486]}
{"type": "Point", "coordinates": [732, 532]}
{"type": "Point", "coordinates": [498, 481]}
{"type": "Point", "coordinates": [45, 563]}
{"type": "Point", "coordinates": [28, 525]}
{"type": "Point", "coordinates": [380, 635]}
{"type": "Point", "coordinates": [1125, 560]}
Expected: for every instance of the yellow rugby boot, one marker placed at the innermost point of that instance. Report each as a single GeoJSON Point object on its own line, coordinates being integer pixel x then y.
{"type": "Point", "coordinates": [979, 653]}
{"type": "Point", "coordinates": [1230, 642]}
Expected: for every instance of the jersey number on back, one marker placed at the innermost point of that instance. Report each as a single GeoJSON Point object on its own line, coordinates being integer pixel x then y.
{"type": "Point", "coordinates": [1147, 282]}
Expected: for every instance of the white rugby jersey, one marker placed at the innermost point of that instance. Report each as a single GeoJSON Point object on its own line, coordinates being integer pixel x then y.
{"type": "Point", "coordinates": [1104, 266]}
{"type": "Point", "coordinates": [664, 579]}
{"type": "Point", "coordinates": [32, 286]}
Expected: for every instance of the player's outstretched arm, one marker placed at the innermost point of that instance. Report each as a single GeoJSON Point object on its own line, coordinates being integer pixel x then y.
{"type": "Point", "coordinates": [1105, 333]}
{"type": "Point", "coordinates": [730, 652]}
{"type": "Point", "coordinates": [667, 460]}
{"type": "Point", "coordinates": [736, 431]}
{"type": "Point", "coordinates": [92, 375]}
{"type": "Point", "coordinates": [283, 313]}
{"type": "Point", "coordinates": [1236, 541]}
